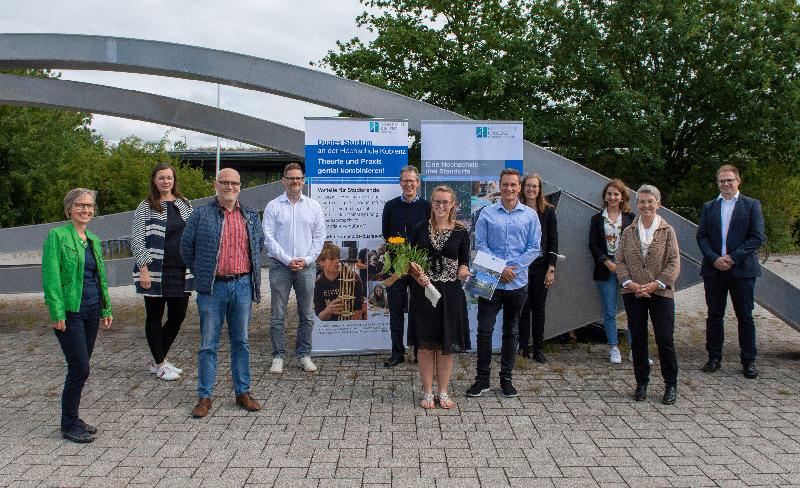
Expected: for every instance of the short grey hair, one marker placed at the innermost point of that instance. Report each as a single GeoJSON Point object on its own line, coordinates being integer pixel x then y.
{"type": "Point", "coordinates": [75, 194]}
{"type": "Point", "coordinates": [409, 167]}
{"type": "Point", "coordinates": [651, 190]}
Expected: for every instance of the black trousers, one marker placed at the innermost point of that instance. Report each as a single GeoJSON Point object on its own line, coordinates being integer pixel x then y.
{"type": "Point", "coordinates": [160, 338]}
{"type": "Point", "coordinates": [77, 343]}
{"type": "Point", "coordinates": [511, 301]}
{"type": "Point", "coordinates": [398, 304]}
{"type": "Point", "coordinates": [742, 291]}
{"type": "Point", "coordinates": [662, 314]}
{"type": "Point", "coordinates": [531, 321]}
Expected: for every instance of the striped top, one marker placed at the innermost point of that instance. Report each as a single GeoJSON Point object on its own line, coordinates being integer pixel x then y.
{"type": "Point", "coordinates": [233, 255]}
{"type": "Point", "coordinates": [148, 231]}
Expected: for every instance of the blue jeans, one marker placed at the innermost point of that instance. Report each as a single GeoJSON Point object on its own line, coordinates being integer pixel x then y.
{"type": "Point", "coordinates": [77, 343]}
{"type": "Point", "coordinates": [609, 292]}
{"type": "Point", "coordinates": [231, 300]}
{"type": "Point", "coordinates": [281, 281]}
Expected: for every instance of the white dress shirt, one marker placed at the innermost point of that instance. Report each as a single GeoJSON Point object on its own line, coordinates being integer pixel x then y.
{"type": "Point", "coordinates": [726, 207]}
{"type": "Point", "coordinates": [294, 230]}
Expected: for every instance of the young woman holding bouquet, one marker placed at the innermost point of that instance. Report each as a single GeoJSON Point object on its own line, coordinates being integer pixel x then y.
{"type": "Point", "coordinates": [441, 330]}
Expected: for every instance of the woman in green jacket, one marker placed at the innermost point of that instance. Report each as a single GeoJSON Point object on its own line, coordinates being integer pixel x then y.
{"type": "Point", "coordinates": [76, 293]}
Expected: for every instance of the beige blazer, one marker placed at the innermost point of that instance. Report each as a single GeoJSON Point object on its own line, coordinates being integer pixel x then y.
{"type": "Point", "coordinates": [663, 261]}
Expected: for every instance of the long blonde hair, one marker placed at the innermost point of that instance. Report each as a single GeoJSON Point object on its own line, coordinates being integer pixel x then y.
{"type": "Point", "coordinates": [451, 216]}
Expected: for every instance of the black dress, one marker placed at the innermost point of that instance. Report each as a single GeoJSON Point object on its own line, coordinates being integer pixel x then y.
{"type": "Point", "coordinates": [173, 271]}
{"type": "Point", "coordinates": [445, 327]}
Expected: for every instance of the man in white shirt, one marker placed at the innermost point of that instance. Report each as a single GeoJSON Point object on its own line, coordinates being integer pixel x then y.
{"type": "Point", "coordinates": [294, 232]}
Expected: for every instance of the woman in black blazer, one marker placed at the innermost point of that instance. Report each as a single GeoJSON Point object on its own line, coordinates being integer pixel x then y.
{"type": "Point", "coordinates": [604, 237]}
{"type": "Point", "coordinates": [541, 273]}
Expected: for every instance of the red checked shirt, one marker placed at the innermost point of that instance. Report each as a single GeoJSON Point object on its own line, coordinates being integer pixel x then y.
{"type": "Point", "coordinates": [234, 257]}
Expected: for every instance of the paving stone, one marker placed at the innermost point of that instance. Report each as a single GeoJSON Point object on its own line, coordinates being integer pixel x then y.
{"type": "Point", "coordinates": [355, 423]}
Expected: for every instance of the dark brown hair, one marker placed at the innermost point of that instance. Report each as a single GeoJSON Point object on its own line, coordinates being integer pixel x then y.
{"type": "Point", "coordinates": [541, 201]}
{"type": "Point", "coordinates": [154, 197]}
{"type": "Point", "coordinates": [292, 166]}
{"type": "Point", "coordinates": [619, 185]}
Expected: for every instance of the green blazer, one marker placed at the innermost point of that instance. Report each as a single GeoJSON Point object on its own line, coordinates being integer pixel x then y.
{"type": "Point", "coordinates": [63, 259]}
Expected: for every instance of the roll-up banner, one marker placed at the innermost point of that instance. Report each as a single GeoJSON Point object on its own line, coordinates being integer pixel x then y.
{"type": "Point", "coordinates": [352, 168]}
{"type": "Point", "coordinates": [468, 156]}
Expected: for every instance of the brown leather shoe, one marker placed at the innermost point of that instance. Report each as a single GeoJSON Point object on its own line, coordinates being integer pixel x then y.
{"type": "Point", "coordinates": [246, 402]}
{"type": "Point", "coordinates": [202, 408]}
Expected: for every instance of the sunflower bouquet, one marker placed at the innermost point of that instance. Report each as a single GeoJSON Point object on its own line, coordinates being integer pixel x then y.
{"type": "Point", "coordinates": [400, 257]}
{"type": "Point", "coordinates": [400, 254]}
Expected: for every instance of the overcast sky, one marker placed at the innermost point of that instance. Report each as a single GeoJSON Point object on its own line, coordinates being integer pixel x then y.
{"type": "Point", "coordinates": [292, 32]}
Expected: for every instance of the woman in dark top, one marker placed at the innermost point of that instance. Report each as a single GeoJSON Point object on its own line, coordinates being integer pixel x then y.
{"type": "Point", "coordinates": [440, 331]}
{"type": "Point", "coordinates": [159, 272]}
{"type": "Point", "coordinates": [604, 236]}
{"type": "Point", "coordinates": [76, 293]}
{"type": "Point", "coordinates": [541, 272]}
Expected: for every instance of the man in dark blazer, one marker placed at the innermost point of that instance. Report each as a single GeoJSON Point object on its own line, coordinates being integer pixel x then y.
{"type": "Point", "coordinates": [730, 232]}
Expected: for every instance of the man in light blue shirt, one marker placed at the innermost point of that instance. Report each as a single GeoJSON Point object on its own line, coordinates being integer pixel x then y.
{"type": "Point", "coordinates": [294, 232]}
{"type": "Point", "coordinates": [509, 230]}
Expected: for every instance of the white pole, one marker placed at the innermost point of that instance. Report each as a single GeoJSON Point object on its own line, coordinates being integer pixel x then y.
{"type": "Point", "coordinates": [217, 172]}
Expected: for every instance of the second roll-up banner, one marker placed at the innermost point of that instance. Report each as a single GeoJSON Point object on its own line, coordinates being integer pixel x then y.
{"type": "Point", "coordinates": [468, 156]}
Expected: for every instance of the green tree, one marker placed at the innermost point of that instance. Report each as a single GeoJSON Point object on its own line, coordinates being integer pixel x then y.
{"type": "Point", "coordinates": [45, 152]}
{"type": "Point", "coordinates": [34, 143]}
{"type": "Point", "coordinates": [653, 91]}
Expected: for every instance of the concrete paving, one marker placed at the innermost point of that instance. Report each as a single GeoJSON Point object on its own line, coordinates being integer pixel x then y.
{"type": "Point", "coordinates": [356, 424]}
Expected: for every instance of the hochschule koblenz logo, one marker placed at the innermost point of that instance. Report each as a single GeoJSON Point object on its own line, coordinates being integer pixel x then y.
{"type": "Point", "coordinates": [384, 127]}
{"type": "Point", "coordinates": [494, 132]}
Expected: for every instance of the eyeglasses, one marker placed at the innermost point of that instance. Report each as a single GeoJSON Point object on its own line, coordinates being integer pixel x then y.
{"type": "Point", "coordinates": [726, 181]}
{"type": "Point", "coordinates": [294, 178]}
{"type": "Point", "coordinates": [232, 184]}
{"type": "Point", "coordinates": [84, 206]}
{"type": "Point", "coordinates": [441, 203]}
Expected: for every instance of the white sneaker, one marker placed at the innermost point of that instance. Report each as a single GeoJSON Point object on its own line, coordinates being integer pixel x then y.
{"type": "Point", "coordinates": [614, 356]}
{"type": "Point", "coordinates": [630, 356]}
{"type": "Point", "coordinates": [167, 374]}
{"type": "Point", "coordinates": [277, 366]}
{"type": "Point", "coordinates": [153, 367]}
{"type": "Point", "coordinates": [172, 367]}
{"type": "Point", "coordinates": [307, 364]}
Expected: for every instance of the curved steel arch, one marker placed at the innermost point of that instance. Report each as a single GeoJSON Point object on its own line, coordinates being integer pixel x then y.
{"type": "Point", "coordinates": [160, 58]}
{"type": "Point", "coordinates": [86, 97]}
{"type": "Point", "coordinates": [81, 52]}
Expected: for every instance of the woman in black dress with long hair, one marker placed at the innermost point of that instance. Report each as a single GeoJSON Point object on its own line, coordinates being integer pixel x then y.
{"type": "Point", "coordinates": [159, 273]}
{"type": "Point", "coordinates": [440, 331]}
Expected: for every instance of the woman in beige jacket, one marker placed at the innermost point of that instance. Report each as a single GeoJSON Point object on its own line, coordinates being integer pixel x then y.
{"type": "Point", "coordinates": [648, 263]}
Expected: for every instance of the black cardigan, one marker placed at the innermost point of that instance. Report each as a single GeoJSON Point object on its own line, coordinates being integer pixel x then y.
{"type": "Point", "coordinates": [598, 244]}
{"type": "Point", "coordinates": [400, 218]}
{"type": "Point", "coordinates": [549, 243]}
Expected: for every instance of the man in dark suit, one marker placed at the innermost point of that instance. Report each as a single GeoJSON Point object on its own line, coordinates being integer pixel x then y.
{"type": "Point", "coordinates": [730, 232]}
